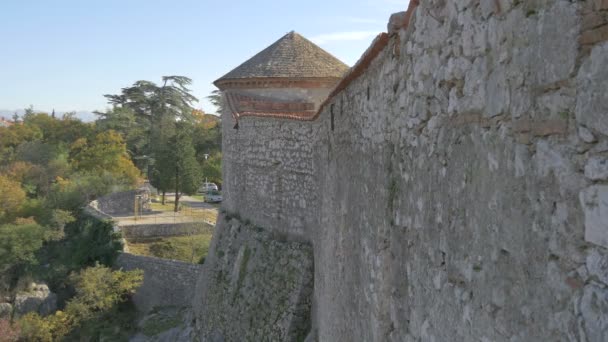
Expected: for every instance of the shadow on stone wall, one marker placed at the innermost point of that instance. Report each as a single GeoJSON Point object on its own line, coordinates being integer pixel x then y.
{"type": "Point", "coordinates": [166, 282]}
{"type": "Point", "coordinates": [254, 286]}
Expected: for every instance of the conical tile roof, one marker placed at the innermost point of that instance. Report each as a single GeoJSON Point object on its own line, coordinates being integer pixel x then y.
{"type": "Point", "coordinates": [292, 56]}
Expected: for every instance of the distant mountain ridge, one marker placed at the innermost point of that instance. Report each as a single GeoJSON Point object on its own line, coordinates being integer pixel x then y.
{"type": "Point", "coordinates": [83, 115]}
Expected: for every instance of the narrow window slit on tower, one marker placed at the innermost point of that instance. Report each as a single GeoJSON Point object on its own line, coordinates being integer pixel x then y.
{"type": "Point", "coordinates": [331, 111]}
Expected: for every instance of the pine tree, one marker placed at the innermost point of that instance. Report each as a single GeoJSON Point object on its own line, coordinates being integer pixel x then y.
{"type": "Point", "coordinates": [188, 177]}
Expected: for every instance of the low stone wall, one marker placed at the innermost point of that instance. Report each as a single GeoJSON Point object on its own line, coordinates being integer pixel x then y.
{"type": "Point", "coordinates": [92, 210]}
{"type": "Point", "coordinates": [256, 286]}
{"type": "Point", "coordinates": [166, 282]}
{"type": "Point", "coordinates": [146, 231]}
{"type": "Point", "coordinates": [119, 203]}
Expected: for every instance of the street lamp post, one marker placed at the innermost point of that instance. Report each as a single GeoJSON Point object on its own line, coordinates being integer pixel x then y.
{"type": "Point", "coordinates": [206, 156]}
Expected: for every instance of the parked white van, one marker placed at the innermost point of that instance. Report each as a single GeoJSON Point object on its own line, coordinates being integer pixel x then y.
{"type": "Point", "coordinates": [206, 187]}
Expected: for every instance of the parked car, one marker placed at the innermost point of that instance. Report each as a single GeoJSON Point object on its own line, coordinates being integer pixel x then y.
{"type": "Point", "coordinates": [213, 196]}
{"type": "Point", "coordinates": [206, 187]}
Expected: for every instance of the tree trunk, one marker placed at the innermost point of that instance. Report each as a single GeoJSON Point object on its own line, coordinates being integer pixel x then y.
{"type": "Point", "coordinates": [163, 200]}
{"type": "Point", "coordinates": [176, 189]}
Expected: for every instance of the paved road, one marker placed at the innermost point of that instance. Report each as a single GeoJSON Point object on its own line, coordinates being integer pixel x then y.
{"type": "Point", "coordinates": [197, 203]}
{"type": "Point", "coordinates": [195, 211]}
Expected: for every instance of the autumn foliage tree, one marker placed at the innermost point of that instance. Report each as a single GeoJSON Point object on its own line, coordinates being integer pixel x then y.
{"type": "Point", "coordinates": [105, 153]}
{"type": "Point", "coordinates": [98, 289]}
{"type": "Point", "coordinates": [12, 198]}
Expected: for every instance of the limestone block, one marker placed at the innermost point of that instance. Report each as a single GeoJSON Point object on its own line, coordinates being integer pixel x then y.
{"type": "Point", "coordinates": [594, 201]}
{"type": "Point", "coordinates": [38, 298]}
{"type": "Point", "coordinates": [556, 104]}
{"type": "Point", "coordinates": [585, 134]}
{"type": "Point", "coordinates": [600, 4]}
{"type": "Point", "coordinates": [474, 89]}
{"type": "Point", "coordinates": [5, 310]}
{"type": "Point", "coordinates": [463, 5]}
{"type": "Point", "coordinates": [597, 168]}
{"type": "Point", "coordinates": [488, 7]}
{"type": "Point", "coordinates": [396, 22]}
{"type": "Point", "coordinates": [592, 97]}
{"type": "Point", "coordinates": [600, 147]}
{"type": "Point", "coordinates": [594, 310]}
{"type": "Point", "coordinates": [557, 45]}
{"type": "Point", "coordinates": [474, 35]}
{"type": "Point", "coordinates": [497, 94]}
{"type": "Point", "coordinates": [597, 265]}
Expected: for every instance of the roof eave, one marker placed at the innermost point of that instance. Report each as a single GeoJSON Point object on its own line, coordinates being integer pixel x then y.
{"type": "Point", "coordinates": [285, 82]}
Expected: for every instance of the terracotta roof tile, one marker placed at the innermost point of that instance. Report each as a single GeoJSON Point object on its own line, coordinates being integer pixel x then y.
{"type": "Point", "coordinates": [292, 56]}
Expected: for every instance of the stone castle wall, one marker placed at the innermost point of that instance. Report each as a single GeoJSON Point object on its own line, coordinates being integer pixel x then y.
{"type": "Point", "coordinates": [457, 188]}
{"type": "Point", "coordinates": [255, 287]}
{"type": "Point", "coordinates": [268, 173]}
{"type": "Point", "coordinates": [465, 191]}
{"type": "Point", "coordinates": [166, 282]}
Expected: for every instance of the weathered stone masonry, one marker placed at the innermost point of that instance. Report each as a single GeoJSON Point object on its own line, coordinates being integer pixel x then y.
{"type": "Point", "coordinates": [166, 282]}
{"type": "Point", "coordinates": [461, 179]}
{"type": "Point", "coordinates": [268, 168]}
{"type": "Point", "coordinates": [472, 151]}
{"type": "Point", "coordinates": [254, 287]}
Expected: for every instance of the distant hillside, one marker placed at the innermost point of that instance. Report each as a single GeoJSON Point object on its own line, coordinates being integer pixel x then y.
{"type": "Point", "coordinates": [82, 115]}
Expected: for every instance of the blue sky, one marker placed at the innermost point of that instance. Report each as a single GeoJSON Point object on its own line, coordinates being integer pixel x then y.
{"type": "Point", "coordinates": [65, 54]}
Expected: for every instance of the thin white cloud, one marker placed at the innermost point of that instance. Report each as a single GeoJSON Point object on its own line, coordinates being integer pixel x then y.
{"type": "Point", "coordinates": [343, 36]}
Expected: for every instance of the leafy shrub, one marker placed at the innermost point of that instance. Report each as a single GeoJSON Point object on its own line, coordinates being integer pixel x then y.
{"type": "Point", "coordinates": [18, 246]}
{"type": "Point", "coordinates": [87, 241]}
{"type": "Point", "coordinates": [99, 290]}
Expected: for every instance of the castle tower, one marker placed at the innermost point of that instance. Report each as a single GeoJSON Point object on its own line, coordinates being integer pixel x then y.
{"type": "Point", "coordinates": [269, 104]}
{"type": "Point", "coordinates": [288, 79]}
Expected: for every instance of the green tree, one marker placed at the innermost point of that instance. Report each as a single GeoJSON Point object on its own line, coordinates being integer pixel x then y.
{"type": "Point", "coordinates": [107, 152]}
{"type": "Point", "coordinates": [16, 134]}
{"type": "Point", "coordinates": [187, 170]}
{"type": "Point", "coordinates": [163, 175]}
{"type": "Point", "coordinates": [12, 198]}
{"type": "Point", "coordinates": [158, 106]}
{"type": "Point", "coordinates": [18, 246]}
{"type": "Point", "coordinates": [133, 129]}
{"type": "Point", "coordinates": [99, 288]}
{"type": "Point", "coordinates": [55, 131]}
{"type": "Point", "coordinates": [217, 99]}
{"type": "Point", "coordinates": [212, 168]}
{"type": "Point", "coordinates": [207, 137]}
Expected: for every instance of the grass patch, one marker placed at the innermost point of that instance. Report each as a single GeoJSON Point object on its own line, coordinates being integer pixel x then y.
{"type": "Point", "coordinates": [168, 206]}
{"type": "Point", "coordinates": [188, 248]}
{"type": "Point", "coordinates": [242, 272]}
{"type": "Point", "coordinates": [243, 268]}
